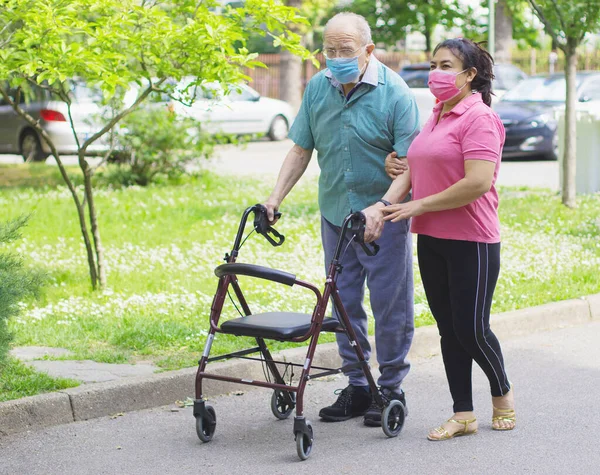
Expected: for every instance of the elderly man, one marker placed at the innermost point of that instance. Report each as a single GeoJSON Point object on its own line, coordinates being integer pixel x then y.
{"type": "Point", "coordinates": [354, 114]}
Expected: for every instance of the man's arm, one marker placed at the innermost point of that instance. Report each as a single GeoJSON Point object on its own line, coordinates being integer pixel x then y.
{"type": "Point", "coordinates": [405, 129]}
{"type": "Point", "coordinates": [292, 169]}
{"type": "Point", "coordinates": [395, 194]}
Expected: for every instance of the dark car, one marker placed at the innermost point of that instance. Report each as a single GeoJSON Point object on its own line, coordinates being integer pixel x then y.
{"type": "Point", "coordinates": [528, 112]}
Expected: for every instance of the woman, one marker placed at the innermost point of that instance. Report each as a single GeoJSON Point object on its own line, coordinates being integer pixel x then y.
{"type": "Point", "coordinates": [453, 165]}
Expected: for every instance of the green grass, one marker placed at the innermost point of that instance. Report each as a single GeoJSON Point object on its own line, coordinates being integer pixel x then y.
{"type": "Point", "coordinates": [162, 244]}
{"type": "Point", "coordinates": [35, 175]}
{"type": "Point", "coordinates": [18, 380]}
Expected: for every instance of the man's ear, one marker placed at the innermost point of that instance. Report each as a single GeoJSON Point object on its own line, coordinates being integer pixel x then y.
{"type": "Point", "coordinates": [370, 49]}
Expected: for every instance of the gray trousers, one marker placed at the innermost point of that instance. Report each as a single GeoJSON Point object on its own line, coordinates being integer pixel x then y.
{"type": "Point", "coordinates": [389, 277]}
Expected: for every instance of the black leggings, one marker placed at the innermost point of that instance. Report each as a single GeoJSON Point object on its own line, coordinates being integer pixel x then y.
{"type": "Point", "coordinates": [459, 278]}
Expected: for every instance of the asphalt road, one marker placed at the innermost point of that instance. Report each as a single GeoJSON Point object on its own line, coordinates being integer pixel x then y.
{"type": "Point", "coordinates": [264, 158]}
{"type": "Point", "coordinates": [556, 377]}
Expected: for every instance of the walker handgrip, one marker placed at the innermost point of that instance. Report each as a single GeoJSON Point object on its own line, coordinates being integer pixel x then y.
{"type": "Point", "coordinates": [262, 226]}
{"type": "Point", "coordinates": [358, 223]}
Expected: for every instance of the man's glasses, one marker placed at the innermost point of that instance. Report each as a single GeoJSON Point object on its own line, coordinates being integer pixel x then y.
{"type": "Point", "coordinates": [331, 53]}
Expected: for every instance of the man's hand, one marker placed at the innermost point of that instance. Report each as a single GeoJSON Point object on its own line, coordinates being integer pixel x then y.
{"type": "Point", "coordinates": [395, 166]}
{"type": "Point", "coordinates": [374, 225]}
{"type": "Point", "coordinates": [272, 207]}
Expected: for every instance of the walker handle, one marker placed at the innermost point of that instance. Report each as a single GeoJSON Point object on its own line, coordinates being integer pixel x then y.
{"type": "Point", "coordinates": [262, 226]}
{"type": "Point", "coordinates": [358, 222]}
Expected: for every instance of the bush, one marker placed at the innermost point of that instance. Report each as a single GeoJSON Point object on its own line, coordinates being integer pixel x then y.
{"type": "Point", "coordinates": [16, 283]}
{"type": "Point", "coordinates": [155, 144]}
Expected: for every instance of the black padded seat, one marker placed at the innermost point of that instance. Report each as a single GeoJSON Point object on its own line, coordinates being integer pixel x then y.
{"type": "Point", "coordinates": [274, 325]}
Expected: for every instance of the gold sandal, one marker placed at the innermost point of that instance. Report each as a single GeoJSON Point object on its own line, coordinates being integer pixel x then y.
{"type": "Point", "coordinates": [506, 415]}
{"type": "Point", "coordinates": [445, 435]}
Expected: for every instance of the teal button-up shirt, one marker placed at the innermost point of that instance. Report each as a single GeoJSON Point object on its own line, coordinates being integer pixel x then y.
{"type": "Point", "coordinates": [354, 134]}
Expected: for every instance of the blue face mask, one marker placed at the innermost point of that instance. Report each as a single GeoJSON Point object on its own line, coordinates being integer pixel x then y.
{"type": "Point", "coordinates": [345, 70]}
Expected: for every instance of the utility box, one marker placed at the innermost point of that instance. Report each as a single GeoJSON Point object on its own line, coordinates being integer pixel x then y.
{"type": "Point", "coordinates": [588, 146]}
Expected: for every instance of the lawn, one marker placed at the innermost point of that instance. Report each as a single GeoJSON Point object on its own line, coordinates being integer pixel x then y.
{"type": "Point", "coordinates": [162, 244]}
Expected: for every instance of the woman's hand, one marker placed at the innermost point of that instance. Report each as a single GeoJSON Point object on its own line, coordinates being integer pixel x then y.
{"type": "Point", "coordinates": [395, 166]}
{"type": "Point", "coordinates": [395, 213]}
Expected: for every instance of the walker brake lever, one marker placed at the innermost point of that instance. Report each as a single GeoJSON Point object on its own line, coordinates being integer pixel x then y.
{"type": "Point", "coordinates": [262, 226]}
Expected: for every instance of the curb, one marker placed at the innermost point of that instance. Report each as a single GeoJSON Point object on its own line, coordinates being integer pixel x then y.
{"type": "Point", "coordinates": [104, 399]}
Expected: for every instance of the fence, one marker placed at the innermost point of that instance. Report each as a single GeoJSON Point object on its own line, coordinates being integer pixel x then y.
{"type": "Point", "coordinates": [266, 81]}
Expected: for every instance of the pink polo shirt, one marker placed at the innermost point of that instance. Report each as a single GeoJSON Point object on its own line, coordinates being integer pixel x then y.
{"type": "Point", "coordinates": [470, 131]}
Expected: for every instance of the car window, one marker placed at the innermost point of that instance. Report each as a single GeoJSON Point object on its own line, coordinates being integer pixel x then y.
{"type": "Point", "coordinates": [241, 95]}
{"type": "Point", "coordinates": [507, 76]}
{"type": "Point", "coordinates": [536, 89]}
{"type": "Point", "coordinates": [415, 78]}
{"type": "Point", "coordinates": [591, 91]}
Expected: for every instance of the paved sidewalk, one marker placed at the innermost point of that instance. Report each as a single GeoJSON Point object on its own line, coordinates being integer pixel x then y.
{"type": "Point", "coordinates": [556, 376]}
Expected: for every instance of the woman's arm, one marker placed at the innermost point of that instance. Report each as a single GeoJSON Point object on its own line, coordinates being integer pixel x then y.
{"type": "Point", "coordinates": [479, 175]}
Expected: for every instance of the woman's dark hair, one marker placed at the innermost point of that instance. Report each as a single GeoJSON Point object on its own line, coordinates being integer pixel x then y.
{"type": "Point", "coordinates": [473, 55]}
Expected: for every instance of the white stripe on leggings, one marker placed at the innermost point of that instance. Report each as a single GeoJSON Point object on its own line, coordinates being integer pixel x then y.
{"type": "Point", "coordinates": [483, 316]}
{"type": "Point", "coordinates": [475, 318]}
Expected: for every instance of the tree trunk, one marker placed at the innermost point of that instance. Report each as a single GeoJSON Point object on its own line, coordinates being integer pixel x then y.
{"type": "Point", "coordinates": [570, 147]}
{"type": "Point", "coordinates": [78, 205]}
{"type": "Point", "coordinates": [89, 197]}
{"type": "Point", "coordinates": [427, 32]}
{"type": "Point", "coordinates": [290, 73]}
{"type": "Point", "coordinates": [504, 32]}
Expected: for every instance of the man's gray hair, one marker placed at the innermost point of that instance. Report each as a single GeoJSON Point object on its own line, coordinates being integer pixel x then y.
{"type": "Point", "coordinates": [358, 21]}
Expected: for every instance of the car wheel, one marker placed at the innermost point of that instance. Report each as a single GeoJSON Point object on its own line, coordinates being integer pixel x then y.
{"type": "Point", "coordinates": [279, 128]}
{"type": "Point", "coordinates": [31, 148]}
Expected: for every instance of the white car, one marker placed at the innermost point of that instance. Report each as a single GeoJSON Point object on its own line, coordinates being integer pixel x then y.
{"type": "Point", "coordinates": [416, 76]}
{"type": "Point", "coordinates": [241, 111]}
{"type": "Point", "coordinates": [18, 137]}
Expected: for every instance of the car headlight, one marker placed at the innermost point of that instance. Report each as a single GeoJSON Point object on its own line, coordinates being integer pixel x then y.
{"type": "Point", "coordinates": [539, 120]}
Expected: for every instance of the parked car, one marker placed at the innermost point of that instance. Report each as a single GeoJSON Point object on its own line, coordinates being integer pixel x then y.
{"type": "Point", "coordinates": [18, 137]}
{"type": "Point", "coordinates": [240, 111]}
{"type": "Point", "coordinates": [528, 112]}
{"type": "Point", "coordinates": [416, 76]}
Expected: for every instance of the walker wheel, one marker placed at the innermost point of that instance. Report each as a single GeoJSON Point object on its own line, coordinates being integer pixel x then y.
{"type": "Point", "coordinates": [281, 407]}
{"type": "Point", "coordinates": [304, 442]}
{"type": "Point", "coordinates": [206, 424]}
{"type": "Point", "coordinates": [392, 418]}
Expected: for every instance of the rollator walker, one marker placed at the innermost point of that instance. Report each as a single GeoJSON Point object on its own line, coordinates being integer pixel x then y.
{"type": "Point", "coordinates": [286, 326]}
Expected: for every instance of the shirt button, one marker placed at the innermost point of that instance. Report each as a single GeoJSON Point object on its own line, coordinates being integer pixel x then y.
{"type": "Point", "coordinates": [346, 149]}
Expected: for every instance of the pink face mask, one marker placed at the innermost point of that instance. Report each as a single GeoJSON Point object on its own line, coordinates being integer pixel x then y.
{"type": "Point", "coordinates": [442, 84]}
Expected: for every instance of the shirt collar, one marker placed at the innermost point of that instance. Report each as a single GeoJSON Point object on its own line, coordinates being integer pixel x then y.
{"type": "Point", "coordinates": [371, 75]}
{"type": "Point", "coordinates": [462, 106]}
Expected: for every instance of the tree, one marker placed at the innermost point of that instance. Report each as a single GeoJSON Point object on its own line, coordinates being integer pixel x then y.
{"type": "Point", "coordinates": [16, 282]}
{"type": "Point", "coordinates": [114, 43]}
{"type": "Point", "coordinates": [316, 12]}
{"type": "Point", "coordinates": [391, 20]}
{"type": "Point", "coordinates": [290, 72]}
{"type": "Point", "coordinates": [504, 32]}
{"type": "Point", "coordinates": [568, 22]}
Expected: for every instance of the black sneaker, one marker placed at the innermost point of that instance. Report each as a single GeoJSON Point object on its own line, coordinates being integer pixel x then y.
{"type": "Point", "coordinates": [373, 414]}
{"type": "Point", "coordinates": [351, 402]}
